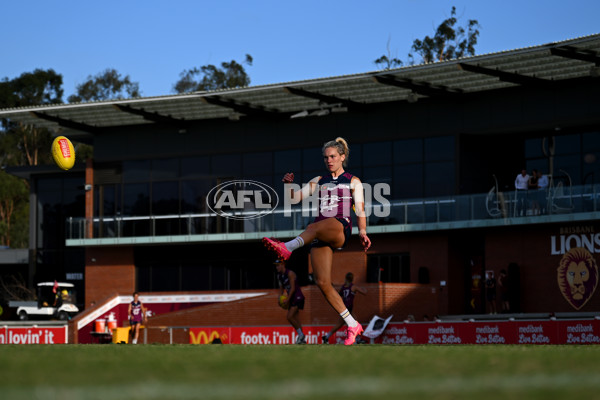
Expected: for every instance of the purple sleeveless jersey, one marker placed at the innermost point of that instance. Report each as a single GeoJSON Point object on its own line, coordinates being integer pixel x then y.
{"type": "Point", "coordinates": [284, 281]}
{"type": "Point", "coordinates": [136, 311]}
{"type": "Point", "coordinates": [335, 197]}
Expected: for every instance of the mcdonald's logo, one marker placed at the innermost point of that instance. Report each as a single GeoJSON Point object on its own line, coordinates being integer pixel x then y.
{"type": "Point", "coordinates": [201, 336]}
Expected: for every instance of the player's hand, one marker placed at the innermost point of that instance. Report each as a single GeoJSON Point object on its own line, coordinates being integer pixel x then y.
{"type": "Point", "coordinates": [365, 241]}
{"type": "Point", "coordinates": [288, 178]}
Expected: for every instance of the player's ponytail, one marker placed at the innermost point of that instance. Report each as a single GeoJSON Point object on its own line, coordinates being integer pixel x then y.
{"type": "Point", "coordinates": [342, 148]}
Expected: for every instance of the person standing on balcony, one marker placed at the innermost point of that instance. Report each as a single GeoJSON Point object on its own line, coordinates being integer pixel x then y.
{"type": "Point", "coordinates": [339, 192]}
{"type": "Point", "coordinates": [521, 186]}
{"type": "Point", "coordinates": [543, 184]}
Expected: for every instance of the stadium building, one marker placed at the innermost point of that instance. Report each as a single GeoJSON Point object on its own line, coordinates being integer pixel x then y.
{"type": "Point", "coordinates": [448, 138]}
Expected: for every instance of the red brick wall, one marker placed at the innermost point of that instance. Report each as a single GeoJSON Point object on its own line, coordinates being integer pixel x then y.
{"type": "Point", "coordinates": [531, 248]}
{"type": "Point", "coordinates": [381, 299]}
{"type": "Point", "coordinates": [108, 270]}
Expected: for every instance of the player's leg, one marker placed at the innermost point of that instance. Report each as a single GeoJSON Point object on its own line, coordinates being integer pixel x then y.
{"type": "Point", "coordinates": [329, 230]}
{"type": "Point", "coordinates": [322, 259]}
{"type": "Point", "coordinates": [340, 322]}
{"type": "Point", "coordinates": [294, 320]}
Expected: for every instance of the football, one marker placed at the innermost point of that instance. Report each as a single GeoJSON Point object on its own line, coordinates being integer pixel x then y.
{"type": "Point", "coordinates": [63, 152]}
{"type": "Point", "coordinates": [282, 303]}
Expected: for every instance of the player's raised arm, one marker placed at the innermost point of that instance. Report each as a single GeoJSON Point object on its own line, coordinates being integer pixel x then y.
{"type": "Point", "coordinates": [296, 196]}
{"type": "Point", "coordinates": [358, 195]}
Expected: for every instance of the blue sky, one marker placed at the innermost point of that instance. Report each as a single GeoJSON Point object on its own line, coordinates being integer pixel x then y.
{"type": "Point", "coordinates": [154, 41]}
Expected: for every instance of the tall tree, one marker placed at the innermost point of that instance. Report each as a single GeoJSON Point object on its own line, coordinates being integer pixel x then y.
{"type": "Point", "coordinates": [106, 85]}
{"type": "Point", "coordinates": [209, 77]}
{"type": "Point", "coordinates": [13, 205]}
{"type": "Point", "coordinates": [23, 145]}
{"type": "Point", "coordinates": [449, 41]}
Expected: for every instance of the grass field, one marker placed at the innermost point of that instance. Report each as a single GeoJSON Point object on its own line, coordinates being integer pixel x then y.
{"type": "Point", "coordinates": [109, 372]}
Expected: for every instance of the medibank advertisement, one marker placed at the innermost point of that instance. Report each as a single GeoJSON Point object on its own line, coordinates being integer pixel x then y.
{"type": "Point", "coordinates": [442, 333]}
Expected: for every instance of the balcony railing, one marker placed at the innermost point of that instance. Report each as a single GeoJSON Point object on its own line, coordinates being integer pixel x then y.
{"type": "Point", "coordinates": [492, 208]}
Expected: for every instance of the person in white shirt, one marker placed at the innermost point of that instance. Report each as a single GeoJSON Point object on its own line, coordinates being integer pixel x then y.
{"type": "Point", "coordinates": [521, 185]}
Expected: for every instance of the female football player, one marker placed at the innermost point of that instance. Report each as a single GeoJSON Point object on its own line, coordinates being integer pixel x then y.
{"type": "Point", "coordinates": [338, 192]}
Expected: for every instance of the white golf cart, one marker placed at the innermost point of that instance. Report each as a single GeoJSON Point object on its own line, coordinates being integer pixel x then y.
{"type": "Point", "coordinates": [53, 301]}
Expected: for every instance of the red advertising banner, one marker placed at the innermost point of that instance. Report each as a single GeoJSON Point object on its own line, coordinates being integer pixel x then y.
{"type": "Point", "coordinates": [441, 333]}
{"type": "Point", "coordinates": [33, 335]}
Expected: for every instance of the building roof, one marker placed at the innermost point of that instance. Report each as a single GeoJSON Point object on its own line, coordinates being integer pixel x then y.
{"type": "Point", "coordinates": [542, 65]}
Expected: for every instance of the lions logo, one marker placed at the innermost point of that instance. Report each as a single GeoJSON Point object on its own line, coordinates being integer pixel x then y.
{"type": "Point", "coordinates": [577, 276]}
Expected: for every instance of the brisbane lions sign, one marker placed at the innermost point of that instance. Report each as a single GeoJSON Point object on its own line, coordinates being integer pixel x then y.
{"type": "Point", "coordinates": [577, 276]}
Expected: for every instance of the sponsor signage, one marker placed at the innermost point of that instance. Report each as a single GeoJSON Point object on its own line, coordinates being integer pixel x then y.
{"type": "Point", "coordinates": [33, 335]}
{"type": "Point", "coordinates": [500, 332]}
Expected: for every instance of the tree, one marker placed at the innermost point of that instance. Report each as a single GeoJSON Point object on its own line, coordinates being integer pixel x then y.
{"type": "Point", "coordinates": [13, 201]}
{"type": "Point", "coordinates": [447, 43]}
{"type": "Point", "coordinates": [230, 75]}
{"type": "Point", "coordinates": [106, 85]}
{"type": "Point", "coordinates": [387, 61]}
{"type": "Point", "coordinates": [23, 145]}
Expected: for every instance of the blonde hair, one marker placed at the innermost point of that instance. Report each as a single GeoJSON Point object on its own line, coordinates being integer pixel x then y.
{"type": "Point", "coordinates": [341, 146]}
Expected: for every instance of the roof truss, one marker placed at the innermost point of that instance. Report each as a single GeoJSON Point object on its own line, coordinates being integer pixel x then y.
{"type": "Point", "coordinates": [243, 108]}
{"type": "Point", "coordinates": [327, 99]}
{"type": "Point", "coordinates": [67, 123]}
{"type": "Point", "coordinates": [576, 54]}
{"type": "Point", "coordinates": [504, 76]}
{"type": "Point", "coordinates": [148, 115]}
{"type": "Point", "coordinates": [423, 88]}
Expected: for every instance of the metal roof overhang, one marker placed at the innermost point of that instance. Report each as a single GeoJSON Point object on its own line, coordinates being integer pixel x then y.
{"type": "Point", "coordinates": [538, 66]}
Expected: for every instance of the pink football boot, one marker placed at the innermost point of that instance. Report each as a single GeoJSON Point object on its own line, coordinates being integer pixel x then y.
{"type": "Point", "coordinates": [352, 333]}
{"type": "Point", "coordinates": [278, 247]}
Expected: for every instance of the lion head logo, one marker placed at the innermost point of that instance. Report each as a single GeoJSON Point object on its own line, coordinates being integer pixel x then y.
{"type": "Point", "coordinates": [577, 276]}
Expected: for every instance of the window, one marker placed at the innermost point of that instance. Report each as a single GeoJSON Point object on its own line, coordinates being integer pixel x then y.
{"type": "Point", "coordinates": [392, 268]}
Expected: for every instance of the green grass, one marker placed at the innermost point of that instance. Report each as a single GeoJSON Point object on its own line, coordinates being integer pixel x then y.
{"type": "Point", "coordinates": [298, 372]}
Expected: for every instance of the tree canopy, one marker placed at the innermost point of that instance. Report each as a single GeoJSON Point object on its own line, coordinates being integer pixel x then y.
{"type": "Point", "coordinates": [106, 85]}
{"type": "Point", "coordinates": [209, 77]}
{"type": "Point", "coordinates": [449, 42]}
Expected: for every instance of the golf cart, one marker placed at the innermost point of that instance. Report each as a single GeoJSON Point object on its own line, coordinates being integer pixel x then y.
{"type": "Point", "coordinates": [54, 300]}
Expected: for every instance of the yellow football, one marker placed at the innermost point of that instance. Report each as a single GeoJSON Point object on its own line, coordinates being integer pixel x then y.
{"type": "Point", "coordinates": [282, 303]}
{"type": "Point", "coordinates": [63, 152]}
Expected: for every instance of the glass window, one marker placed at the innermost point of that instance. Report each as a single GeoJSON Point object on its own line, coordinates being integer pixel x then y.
{"type": "Point", "coordinates": [195, 167]}
{"type": "Point", "coordinates": [257, 163]}
{"type": "Point", "coordinates": [312, 158]}
{"type": "Point", "coordinates": [136, 199]}
{"type": "Point", "coordinates": [439, 148]}
{"type": "Point", "coordinates": [439, 179]}
{"type": "Point", "coordinates": [378, 153]}
{"type": "Point", "coordinates": [193, 196]}
{"type": "Point", "coordinates": [568, 167]}
{"type": "Point", "coordinates": [165, 169]}
{"type": "Point", "coordinates": [388, 268]}
{"type": "Point", "coordinates": [229, 165]}
{"type": "Point", "coordinates": [568, 144]}
{"type": "Point", "coordinates": [165, 198]}
{"type": "Point", "coordinates": [288, 161]}
{"type": "Point", "coordinates": [534, 148]}
{"type": "Point", "coordinates": [136, 171]}
{"type": "Point", "coordinates": [591, 142]}
{"type": "Point", "coordinates": [374, 175]}
{"type": "Point", "coordinates": [408, 181]}
{"type": "Point", "coordinates": [408, 151]}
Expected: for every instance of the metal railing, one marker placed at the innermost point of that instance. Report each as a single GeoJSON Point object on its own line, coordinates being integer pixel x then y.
{"type": "Point", "coordinates": [475, 207]}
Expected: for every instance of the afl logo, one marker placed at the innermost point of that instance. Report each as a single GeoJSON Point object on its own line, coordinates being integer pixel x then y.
{"type": "Point", "coordinates": [242, 199]}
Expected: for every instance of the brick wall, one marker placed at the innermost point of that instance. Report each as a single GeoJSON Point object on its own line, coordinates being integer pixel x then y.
{"type": "Point", "coordinates": [381, 299]}
{"type": "Point", "coordinates": [108, 270]}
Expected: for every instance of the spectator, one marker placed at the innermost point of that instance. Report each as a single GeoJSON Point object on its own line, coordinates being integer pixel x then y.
{"type": "Point", "coordinates": [543, 183]}
{"type": "Point", "coordinates": [490, 291]}
{"type": "Point", "coordinates": [521, 186]}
